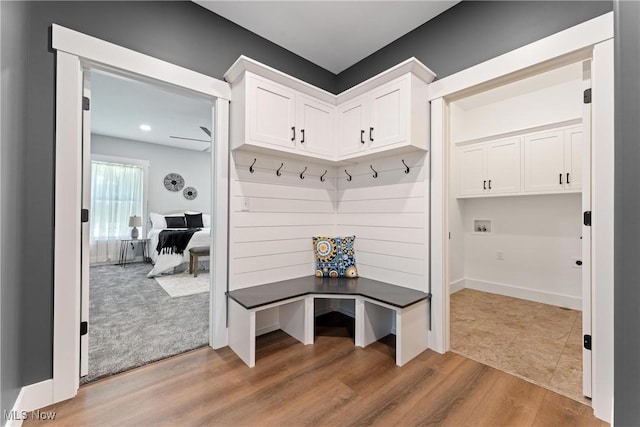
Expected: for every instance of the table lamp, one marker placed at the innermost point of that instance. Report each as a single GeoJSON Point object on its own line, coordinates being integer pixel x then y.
{"type": "Point", "coordinates": [135, 221]}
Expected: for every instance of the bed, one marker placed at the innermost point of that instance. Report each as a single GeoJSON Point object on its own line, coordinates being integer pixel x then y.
{"type": "Point", "coordinates": [167, 263]}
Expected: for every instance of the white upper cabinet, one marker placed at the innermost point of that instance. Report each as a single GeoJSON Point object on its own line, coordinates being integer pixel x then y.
{"type": "Point", "coordinates": [489, 168]}
{"type": "Point", "coordinates": [393, 116]}
{"type": "Point", "coordinates": [533, 163]}
{"type": "Point", "coordinates": [553, 161]}
{"type": "Point", "coordinates": [270, 113]}
{"type": "Point", "coordinates": [315, 125]}
{"type": "Point", "coordinates": [353, 118]}
{"type": "Point", "coordinates": [273, 111]}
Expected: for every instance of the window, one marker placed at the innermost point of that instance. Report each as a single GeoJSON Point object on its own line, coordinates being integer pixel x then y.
{"type": "Point", "coordinates": [116, 194]}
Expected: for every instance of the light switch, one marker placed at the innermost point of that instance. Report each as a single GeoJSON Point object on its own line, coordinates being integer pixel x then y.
{"type": "Point", "coordinates": [244, 204]}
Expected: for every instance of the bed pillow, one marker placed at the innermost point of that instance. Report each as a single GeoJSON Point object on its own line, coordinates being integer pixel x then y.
{"type": "Point", "coordinates": [175, 222]}
{"type": "Point", "coordinates": [193, 220]}
{"type": "Point", "coordinates": [335, 256]}
{"type": "Point", "coordinates": [206, 218]}
{"type": "Point", "coordinates": [157, 220]}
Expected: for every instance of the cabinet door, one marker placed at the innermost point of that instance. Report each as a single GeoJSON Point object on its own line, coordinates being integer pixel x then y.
{"type": "Point", "coordinates": [573, 155]}
{"type": "Point", "coordinates": [352, 117]}
{"type": "Point", "coordinates": [389, 114]}
{"type": "Point", "coordinates": [314, 126]}
{"type": "Point", "coordinates": [472, 167]}
{"type": "Point", "coordinates": [544, 162]}
{"type": "Point", "coordinates": [503, 166]}
{"type": "Point", "coordinates": [271, 113]}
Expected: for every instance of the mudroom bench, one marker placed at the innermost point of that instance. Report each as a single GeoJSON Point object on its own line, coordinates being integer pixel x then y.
{"type": "Point", "coordinates": [379, 307]}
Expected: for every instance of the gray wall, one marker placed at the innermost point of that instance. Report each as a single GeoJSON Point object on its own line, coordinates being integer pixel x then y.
{"type": "Point", "coordinates": [13, 124]}
{"type": "Point", "coordinates": [180, 32]}
{"type": "Point", "coordinates": [627, 214]}
{"type": "Point", "coordinates": [472, 32]}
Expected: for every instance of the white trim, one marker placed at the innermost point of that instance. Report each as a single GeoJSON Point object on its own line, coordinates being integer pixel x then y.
{"type": "Point", "coordinates": [457, 286]}
{"type": "Point", "coordinates": [602, 207]}
{"type": "Point", "coordinates": [573, 39]}
{"type": "Point", "coordinates": [76, 50]}
{"type": "Point", "coordinates": [31, 397]}
{"type": "Point", "coordinates": [573, 43]}
{"type": "Point", "coordinates": [99, 53]}
{"type": "Point", "coordinates": [267, 329]}
{"type": "Point", "coordinates": [524, 293]}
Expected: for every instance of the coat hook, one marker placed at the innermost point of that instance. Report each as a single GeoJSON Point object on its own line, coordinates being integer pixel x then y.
{"type": "Point", "coordinates": [322, 176]}
{"type": "Point", "coordinates": [278, 171]}
{"type": "Point", "coordinates": [375, 172]}
{"type": "Point", "coordinates": [302, 173]}
{"type": "Point", "coordinates": [251, 169]}
{"type": "Point", "coordinates": [407, 167]}
{"type": "Point", "coordinates": [350, 178]}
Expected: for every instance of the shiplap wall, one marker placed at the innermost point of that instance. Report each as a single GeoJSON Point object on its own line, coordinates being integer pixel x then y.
{"type": "Point", "coordinates": [389, 217]}
{"type": "Point", "coordinates": [272, 240]}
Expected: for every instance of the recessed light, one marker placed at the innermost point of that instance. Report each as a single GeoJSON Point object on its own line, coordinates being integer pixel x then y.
{"type": "Point", "coordinates": [145, 128]}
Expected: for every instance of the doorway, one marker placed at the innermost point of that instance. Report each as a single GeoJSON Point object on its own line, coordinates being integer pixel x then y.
{"type": "Point", "coordinates": [140, 134]}
{"type": "Point", "coordinates": [75, 51]}
{"type": "Point", "coordinates": [519, 169]}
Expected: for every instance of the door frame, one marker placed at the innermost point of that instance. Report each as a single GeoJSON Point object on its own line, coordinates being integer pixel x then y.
{"type": "Point", "coordinates": [74, 52]}
{"type": "Point", "coordinates": [593, 40]}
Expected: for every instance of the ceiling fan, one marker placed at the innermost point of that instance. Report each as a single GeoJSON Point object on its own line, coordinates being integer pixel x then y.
{"type": "Point", "coordinates": [205, 130]}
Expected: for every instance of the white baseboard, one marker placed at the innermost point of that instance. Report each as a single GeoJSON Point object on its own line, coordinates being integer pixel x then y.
{"type": "Point", "coordinates": [30, 398]}
{"type": "Point", "coordinates": [456, 286]}
{"type": "Point", "coordinates": [525, 293]}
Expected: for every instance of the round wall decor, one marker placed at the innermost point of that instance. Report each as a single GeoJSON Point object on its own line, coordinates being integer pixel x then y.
{"type": "Point", "coordinates": [190, 193]}
{"type": "Point", "coordinates": [173, 182]}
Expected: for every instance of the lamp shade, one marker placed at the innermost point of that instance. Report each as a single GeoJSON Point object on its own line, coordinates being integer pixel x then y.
{"type": "Point", "coordinates": [135, 221]}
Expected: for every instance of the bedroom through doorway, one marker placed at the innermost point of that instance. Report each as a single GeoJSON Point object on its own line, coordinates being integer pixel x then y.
{"type": "Point", "coordinates": [147, 185]}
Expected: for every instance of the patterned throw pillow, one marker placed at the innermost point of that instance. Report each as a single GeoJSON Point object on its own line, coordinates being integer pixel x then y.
{"type": "Point", "coordinates": [335, 256]}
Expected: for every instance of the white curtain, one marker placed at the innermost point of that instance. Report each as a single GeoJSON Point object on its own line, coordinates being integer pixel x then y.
{"type": "Point", "coordinates": [116, 194]}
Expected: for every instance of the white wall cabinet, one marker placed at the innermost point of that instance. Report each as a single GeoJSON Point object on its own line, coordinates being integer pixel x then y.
{"type": "Point", "coordinates": [489, 168]}
{"type": "Point", "coordinates": [553, 161]}
{"type": "Point", "coordinates": [273, 111]}
{"type": "Point", "coordinates": [536, 163]}
{"type": "Point", "coordinates": [272, 116]}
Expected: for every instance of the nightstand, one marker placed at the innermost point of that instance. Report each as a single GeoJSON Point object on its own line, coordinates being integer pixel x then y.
{"type": "Point", "coordinates": [129, 244]}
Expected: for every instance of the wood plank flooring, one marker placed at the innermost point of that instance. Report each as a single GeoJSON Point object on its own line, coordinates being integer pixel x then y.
{"type": "Point", "coordinates": [330, 383]}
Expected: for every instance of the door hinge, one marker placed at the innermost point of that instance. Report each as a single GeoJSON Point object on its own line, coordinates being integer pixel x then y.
{"type": "Point", "coordinates": [587, 342]}
{"type": "Point", "coordinates": [84, 328]}
{"type": "Point", "coordinates": [84, 215]}
{"type": "Point", "coordinates": [449, 235]}
{"type": "Point", "coordinates": [86, 103]}
{"type": "Point", "coordinates": [587, 96]}
{"type": "Point", "coordinates": [586, 217]}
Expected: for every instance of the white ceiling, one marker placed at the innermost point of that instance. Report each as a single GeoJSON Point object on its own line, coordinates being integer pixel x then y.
{"type": "Point", "coordinates": [120, 105]}
{"type": "Point", "coordinates": [332, 34]}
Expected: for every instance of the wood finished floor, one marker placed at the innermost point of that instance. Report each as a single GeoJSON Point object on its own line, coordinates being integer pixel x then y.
{"type": "Point", "coordinates": [330, 383]}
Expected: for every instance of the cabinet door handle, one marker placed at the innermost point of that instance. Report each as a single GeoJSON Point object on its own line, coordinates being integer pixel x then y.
{"type": "Point", "coordinates": [302, 132]}
{"type": "Point", "coordinates": [484, 185]}
{"type": "Point", "coordinates": [489, 184]}
{"type": "Point", "coordinates": [560, 179]}
{"type": "Point", "coordinates": [293, 133]}
{"type": "Point", "coordinates": [568, 178]}
{"type": "Point", "coordinates": [362, 136]}
{"type": "Point", "coordinates": [371, 134]}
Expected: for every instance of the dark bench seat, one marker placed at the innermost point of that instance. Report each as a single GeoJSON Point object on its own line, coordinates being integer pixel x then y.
{"type": "Point", "coordinates": [380, 309]}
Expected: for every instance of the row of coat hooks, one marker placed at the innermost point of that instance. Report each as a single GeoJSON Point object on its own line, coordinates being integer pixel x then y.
{"type": "Point", "coordinates": [322, 177]}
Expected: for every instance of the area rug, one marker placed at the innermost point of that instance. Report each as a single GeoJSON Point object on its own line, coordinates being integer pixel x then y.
{"type": "Point", "coordinates": [183, 284]}
{"type": "Point", "coordinates": [133, 321]}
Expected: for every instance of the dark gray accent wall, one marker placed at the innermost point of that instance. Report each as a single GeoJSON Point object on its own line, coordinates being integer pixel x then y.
{"type": "Point", "coordinates": [13, 122]}
{"type": "Point", "coordinates": [180, 32]}
{"type": "Point", "coordinates": [472, 32]}
{"type": "Point", "coordinates": [627, 215]}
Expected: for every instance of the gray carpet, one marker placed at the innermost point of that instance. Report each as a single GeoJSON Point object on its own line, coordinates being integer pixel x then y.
{"type": "Point", "coordinates": [133, 321]}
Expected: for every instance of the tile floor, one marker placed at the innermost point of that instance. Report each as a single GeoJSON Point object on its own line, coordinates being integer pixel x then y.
{"type": "Point", "coordinates": [537, 342]}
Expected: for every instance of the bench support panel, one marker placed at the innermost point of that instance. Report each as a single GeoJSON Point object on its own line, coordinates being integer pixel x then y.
{"type": "Point", "coordinates": [242, 332]}
{"type": "Point", "coordinates": [411, 332]}
{"type": "Point", "coordinates": [293, 319]}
